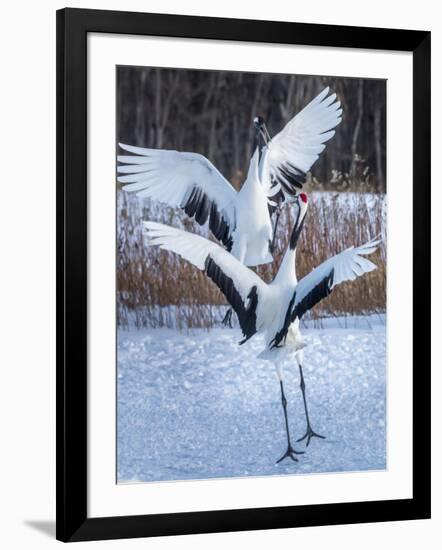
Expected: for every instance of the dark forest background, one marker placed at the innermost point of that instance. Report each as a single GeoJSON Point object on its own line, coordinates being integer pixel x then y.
{"type": "Point", "coordinates": [211, 112]}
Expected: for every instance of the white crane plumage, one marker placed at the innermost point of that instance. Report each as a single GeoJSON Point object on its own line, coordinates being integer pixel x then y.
{"type": "Point", "coordinates": [240, 220]}
{"type": "Point", "coordinates": [272, 309]}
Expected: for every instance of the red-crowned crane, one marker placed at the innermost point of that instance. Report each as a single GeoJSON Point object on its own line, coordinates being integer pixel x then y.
{"type": "Point", "coordinates": [272, 309]}
{"type": "Point", "coordinates": [240, 220]}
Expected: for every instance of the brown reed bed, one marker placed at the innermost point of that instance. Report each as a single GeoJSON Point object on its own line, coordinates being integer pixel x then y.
{"type": "Point", "coordinates": [156, 288]}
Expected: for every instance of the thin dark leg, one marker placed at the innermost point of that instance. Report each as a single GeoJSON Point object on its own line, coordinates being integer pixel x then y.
{"type": "Point", "coordinates": [309, 433]}
{"type": "Point", "coordinates": [227, 321]}
{"type": "Point", "coordinates": [272, 246]}
{"type": "Point", "coordinates": [290, 453]}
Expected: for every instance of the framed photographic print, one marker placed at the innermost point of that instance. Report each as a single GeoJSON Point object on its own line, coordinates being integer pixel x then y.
{"type": "Point", "coordinates": [243, 302]}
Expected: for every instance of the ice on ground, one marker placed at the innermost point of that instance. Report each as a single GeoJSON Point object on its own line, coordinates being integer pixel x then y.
{"type": "Point", "coordinates": [195, 405]}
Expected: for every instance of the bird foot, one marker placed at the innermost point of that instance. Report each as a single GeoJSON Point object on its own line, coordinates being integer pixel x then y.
{"type": "Point", "coordinates": [290, 453]}
{"type": "Point", "coordinates": [308, 435]}
{"type": "Point", "coordinates": [227, 321]}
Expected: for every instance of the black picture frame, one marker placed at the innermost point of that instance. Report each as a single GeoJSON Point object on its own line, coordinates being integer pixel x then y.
{"type": "Point", "coordinates": [73, 25]}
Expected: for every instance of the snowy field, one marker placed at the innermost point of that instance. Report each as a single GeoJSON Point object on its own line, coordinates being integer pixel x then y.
{"type": "Point", "coordinates": [195, 405]}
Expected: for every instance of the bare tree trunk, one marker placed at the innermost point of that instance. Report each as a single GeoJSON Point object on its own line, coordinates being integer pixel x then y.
{"type": "Point", "coordinates": [235, 141]}
{"type": "Point", "coordinates": [354, 143]}
{"type": "Point", "coordinates": [212, 135]}
{"type": "Point", "coordinates": [287, 108]}
{"type": "Point", "coordinates": [140, 120]}
{"type": "Point", "coordinates": [158, 126]}
{"type": "Point", "coordinates": [378, 148]}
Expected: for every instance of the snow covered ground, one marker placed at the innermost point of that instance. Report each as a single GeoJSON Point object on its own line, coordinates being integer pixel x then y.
{"type": "Point", "coordinates": [195, 405]}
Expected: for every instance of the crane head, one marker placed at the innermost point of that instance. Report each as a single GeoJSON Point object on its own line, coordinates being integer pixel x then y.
{"type": "Point", "coordinates": [258, 122]}
{"type": "Point", "coordinates": [303, 197]}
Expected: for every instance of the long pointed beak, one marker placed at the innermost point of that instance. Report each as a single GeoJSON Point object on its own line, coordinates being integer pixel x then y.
{"type": "Point", "coordinates": [265, 133]}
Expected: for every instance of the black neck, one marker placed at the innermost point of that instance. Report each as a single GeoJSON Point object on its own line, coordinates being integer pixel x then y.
{"type": "Point", "coordinates": [296, 230]}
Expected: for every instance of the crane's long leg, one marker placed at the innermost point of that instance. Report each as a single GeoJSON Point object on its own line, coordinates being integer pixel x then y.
{"type": "Point", "coordinates": [272, 245]}
{"type": "Point", "coordinates": [290, 453]}
{"type": "Point", "coordinates": [227, 321]}
{"type": "Point", "coordinates": [309, 433]}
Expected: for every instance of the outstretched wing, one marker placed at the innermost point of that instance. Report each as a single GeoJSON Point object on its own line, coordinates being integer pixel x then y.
{"type": "Point", "coordinates": [239, 284]}
{"type": "Point", "coordinates": [185, 180]}
{"type": "Point", "coordinates": [292, 152]}
{"type": "Point", "coordinates": [317, 285]}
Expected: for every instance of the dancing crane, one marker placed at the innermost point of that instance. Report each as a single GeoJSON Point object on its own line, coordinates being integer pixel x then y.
{"type": "Point", "coordinates": [240, 220]}
{"type": "Point", "coordinates": [273, 309]}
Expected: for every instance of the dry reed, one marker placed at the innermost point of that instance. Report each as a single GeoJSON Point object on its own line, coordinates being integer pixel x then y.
{"type": "Point", "coordinates": [156, 288]}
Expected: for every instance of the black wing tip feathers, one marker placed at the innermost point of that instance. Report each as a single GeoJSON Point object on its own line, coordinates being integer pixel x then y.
{"type": "Point", "coordinates": [291, 178]}
{"type": "Point", "coordinates": [318, 293]}
{"type": "Point", "coordinates": [246, 313]}
{"type": "Point", "coordinates": [201, 208]}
